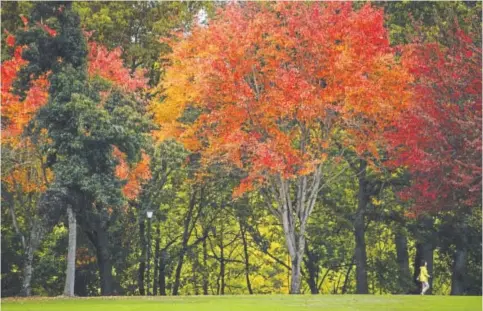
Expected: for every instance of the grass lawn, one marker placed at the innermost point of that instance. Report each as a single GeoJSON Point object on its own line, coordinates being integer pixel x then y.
{"type": "Point", "coordinates": [248, 303]}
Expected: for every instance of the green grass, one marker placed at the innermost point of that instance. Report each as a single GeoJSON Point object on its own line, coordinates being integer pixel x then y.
{"type": "Point", "coordinates": [248, 303]}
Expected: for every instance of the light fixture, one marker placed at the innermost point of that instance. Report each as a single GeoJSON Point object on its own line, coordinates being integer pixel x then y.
{"type": "Point", "coordinates": [149, 213]}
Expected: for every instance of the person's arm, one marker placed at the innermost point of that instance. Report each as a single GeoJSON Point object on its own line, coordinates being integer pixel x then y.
{"type": "Point", "coordinates": [426, 273]}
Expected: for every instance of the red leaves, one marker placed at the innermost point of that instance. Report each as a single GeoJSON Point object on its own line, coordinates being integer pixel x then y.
{"type": "Point", "coordinates": [24, 20]}
{"type": "Point", "coordinates": [47, 29]}
{"type": "Point", "coordinates": [109, 65]}
{"type": "Point", "coordinates": [439, 138]}
{"type": "Point", "coordinates": [19, 112]}
{"type": "Point", "coordinates": [281, 71]}
{"type": "Point", "coordinates": [10, 40]}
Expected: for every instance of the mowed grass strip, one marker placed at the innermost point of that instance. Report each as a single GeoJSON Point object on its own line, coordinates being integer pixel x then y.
{"type": "Point", "coordinates": [248, 303]}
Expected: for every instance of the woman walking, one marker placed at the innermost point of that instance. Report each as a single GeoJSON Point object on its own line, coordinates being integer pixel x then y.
{"type": "Point", "coordinates": [424, 277]}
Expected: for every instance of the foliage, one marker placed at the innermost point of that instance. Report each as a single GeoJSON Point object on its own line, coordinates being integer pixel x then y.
{"type": "Point", "coordinates": [446, 169]}
{"type": "Point", "coordinates": [283, 107]}
{"type": "Point", "coordinates": [195, 113]}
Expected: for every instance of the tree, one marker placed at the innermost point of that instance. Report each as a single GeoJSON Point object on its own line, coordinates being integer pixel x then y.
{"type": "Point", "coordinates": [287, 88]}
{"type": "Point", "coordinates": [427, 140]}
{"type": "Point", "coordinates": [101, 115]}
{"type": "Point", "coordinates": [25, 175]}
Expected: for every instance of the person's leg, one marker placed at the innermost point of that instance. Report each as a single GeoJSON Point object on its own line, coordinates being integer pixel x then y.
{"type": "Point", "coordinates": [425, 288]}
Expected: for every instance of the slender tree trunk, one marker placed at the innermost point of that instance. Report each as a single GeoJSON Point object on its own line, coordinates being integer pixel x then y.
{"type": "Point", "coordinates": [27, 272]}
{"type": "Point", "coordinates": [359, 232]}
{"type": "Point", "coordinates": [346, 280]}
{"type": "Point", "coordinates": [156, 260]}
{"type": "Point", "coordinates": [205, 269]}
{"type": "Point", "coordinates": [162, 273]}
{"type": "Point", "coordinates": [184, 245]}
{"type": "Point", "coordinates": [222, 265]}
{"type": "Point", "coordinates": [177, 276]}
{"type": "Point", "coordinates": [104, 262]}
{"type": "Point", "coordinates": [142, 259]}
{"type": "Point", "coordinates": [310, 264]}
{"type": "Point", "coordinates": [402, 257]}
{"type": "Point", "coordinates": [459, 263]}
{"type": "Point", "coordinates": [30, 248]}
{"type": "Point", "coordinates": [148, 269]}
{"type": "Point", "coordinates": [70, 272]}
{"type": "Point", "coordinates": [459, 268]}
{"type": "Point", "coordinates": [246, 257]}
{"type": "Point", "coordinates": [360, 254]}
{"type": "Point", "coordinates": [294, 216]}
{"type": "Point", "coordinates": [296, 276]}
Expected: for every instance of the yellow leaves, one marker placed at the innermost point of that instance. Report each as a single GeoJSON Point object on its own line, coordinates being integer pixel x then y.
{"type": "Point", "coordinates": [25, 171]}
{"type": "Point", "coordinates": [376, 202]}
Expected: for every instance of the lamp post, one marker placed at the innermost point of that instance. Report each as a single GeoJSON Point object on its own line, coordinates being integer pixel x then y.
{"type": "Point", "coordinates": [149, 214]}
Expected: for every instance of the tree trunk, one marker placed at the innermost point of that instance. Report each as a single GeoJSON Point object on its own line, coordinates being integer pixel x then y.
{"type": "Point", "coordinates": [222, 260]}
{"type": "Point", "coordinates": [81, 284]}
{"type": "Point", "coordinates": [359, 233]}
{"type": "Point", "coordinates": [294, 217]}
{"type": "Point", "coordinates": [142, 259]}
{"type": "Point", "coordinates": [360, 255]}
{"type": "Point", "coordinates": [402, 257]}
{"type": "Point", "coordinates": [296, 276]}
{"type": "Point", "coordinates": [310, 264]}
{"type": "Point", "coordinates": [104, 262]}
{"type": "Point", "coordinates": [184, 244]}
{"type": "Point", "coordinates": [148, 263]}
{"type": "Point", "coordinates": [459, 264]}
{"type": "Point", "coordinates": [205, 269]}
{"type": "Point", "coordinates": [222, 265]}
{"type": "Point", "coordinates": [156, 260]}
{"type": "Point", "coordinates": [459, 268]}
{"type": "Point", "coordinates": [162, 273]}
{"type": "Point", "coordinates": [177, 276]}
{"type": "Point", "coordinates": [246, 257]}
{"type": "Point", "coordinates": [34, 242]}
{"type": "Point", "coordinates": [347, 277]}
{"type": "Point", "coordinates": [27, 272]}
{"type": "Point", "coordinates": [70, 272]}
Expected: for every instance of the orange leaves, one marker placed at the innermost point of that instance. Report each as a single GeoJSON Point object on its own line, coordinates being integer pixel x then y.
{"type": "Point", "coordinates": [135, 176]}
{"type": "Point", "coordinates": [23, 169]}
{"type": "Point", "coordinates": [291, 76]}
{"type": "Point", "coordinates": [19, 112]}
{"type": "Point", "coordinates": [10, 40]}
{"type": "Point", "coordinates": [26, 172]}
{"type": "Point", "coordinates": [109, 65]}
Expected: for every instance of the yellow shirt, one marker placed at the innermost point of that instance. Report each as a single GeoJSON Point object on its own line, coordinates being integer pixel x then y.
{"type": "Point", "coordinates": [423, 274]}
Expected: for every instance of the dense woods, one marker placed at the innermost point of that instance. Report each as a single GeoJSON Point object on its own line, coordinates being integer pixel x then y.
{"type": "Point", "coordinates": [211, 148]}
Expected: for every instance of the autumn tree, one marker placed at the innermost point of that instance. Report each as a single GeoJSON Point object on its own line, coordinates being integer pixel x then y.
{"type": "Point", "coordinates": [287, 88]}
{"type": "Point", "coordinates": [24, 176]}
{"type": "Point", "coordinates": [439, 138]}
{"type": "Point", "coordinates": [90, 110]}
